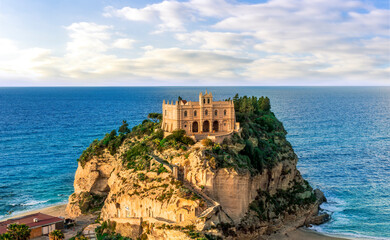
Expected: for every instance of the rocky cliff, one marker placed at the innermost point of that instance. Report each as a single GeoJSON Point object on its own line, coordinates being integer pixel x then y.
{"type": "Point", "coordinates": [170, 187]}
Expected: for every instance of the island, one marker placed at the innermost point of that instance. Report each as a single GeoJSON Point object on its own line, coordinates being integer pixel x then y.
{"type": "Point", "coordinates": [198, 170]}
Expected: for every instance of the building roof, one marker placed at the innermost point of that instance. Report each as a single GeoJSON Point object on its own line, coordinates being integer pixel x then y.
{"type": "Point", "coordinates": [43, 220]}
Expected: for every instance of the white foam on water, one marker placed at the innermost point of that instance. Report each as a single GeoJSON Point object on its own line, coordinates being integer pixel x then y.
{"type": "Point", "coordinates": [333, 205]}
{"type": "Point", "coordinates": [33, 202]}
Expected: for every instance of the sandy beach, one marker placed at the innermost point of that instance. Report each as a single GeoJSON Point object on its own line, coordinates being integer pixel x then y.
{"type": "Point", "coordinates": [56, 211]}
{"type": "Point", "coordinates": [303, 234]}
{"type": "Point", "coordinates": [59, 211]}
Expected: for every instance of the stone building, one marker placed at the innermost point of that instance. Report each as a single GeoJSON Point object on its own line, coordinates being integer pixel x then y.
{"type": "Point", "coordinates": [208, 117]}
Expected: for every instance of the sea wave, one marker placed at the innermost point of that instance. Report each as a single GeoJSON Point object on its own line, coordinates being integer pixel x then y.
{"type": "Point", "coordinates": [34, 202]}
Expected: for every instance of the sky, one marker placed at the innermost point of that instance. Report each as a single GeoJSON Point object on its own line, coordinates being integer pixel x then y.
{"type": "Point", "coordinates": [194, 42]}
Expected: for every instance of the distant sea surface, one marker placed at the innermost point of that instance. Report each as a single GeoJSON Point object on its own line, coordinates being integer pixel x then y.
{"type": "Point", "coordinates": [340, 134]}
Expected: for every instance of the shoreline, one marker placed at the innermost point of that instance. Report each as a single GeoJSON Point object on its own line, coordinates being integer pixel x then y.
{"type": "Point", "coordinates": [302, 233]}
{"type": "Point", "coordinates": [56, 210]}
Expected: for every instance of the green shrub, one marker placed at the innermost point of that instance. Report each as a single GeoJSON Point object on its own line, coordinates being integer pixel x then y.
{"type": "Point", "coordinates": [142, 176]}
{"type": "Point", "coordinates": [159, 134]}
{"type": "Point", "coordinates": [161, 169]}
{"type": "Point", "coordinates": [155, 116]}
{"type": "Point", "coordinates": [124, 129]}
{"type": "Point", "coordinates": [90, 203]}
{"type": "Point", "coordinates": [207, 142]}
{"type": "Point", "coordinates": [180, 136]}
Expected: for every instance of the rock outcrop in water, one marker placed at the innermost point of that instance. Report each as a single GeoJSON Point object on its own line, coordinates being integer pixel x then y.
{"type": "Point", "coordinates": [172, 188]}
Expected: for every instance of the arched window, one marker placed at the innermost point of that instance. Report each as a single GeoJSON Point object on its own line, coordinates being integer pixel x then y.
{"type": "Point", "coordinates": [208, 100]}
{"type": "Point", "coordinates": [224, 112]}
{"type": "Point", "coordinates": [195, 113]}
{"type": "Point", "coordinates": [216, 112]}
{"type": "Point", "coordinates": [204, 101]}
{"type": "Point", "coordinates": [185, 113]}
{"type": "Point", "coordinates": [206, 112]}
{"type": "Point", "coordinates": [165, 112]}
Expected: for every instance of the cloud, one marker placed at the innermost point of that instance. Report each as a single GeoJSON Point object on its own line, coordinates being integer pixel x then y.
{"type": "Point", "coordinates": [88, 58]}
{"type": "Point", "coordinates": [18, 62]}
{"type": "Point", "coordinates": [215, 40]}
{"type": "Point", "coordinates": [169, 15]}
{"type": "Point", "coordinates": [124, 43]}
{"type": "Point", "coordinates": [277, 42]}
{"type": "Point", "coordinates": [188, 64]}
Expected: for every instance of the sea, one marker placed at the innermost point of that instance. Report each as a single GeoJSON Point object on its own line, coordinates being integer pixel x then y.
{"type": "Point", "coordinates": [340, 134]}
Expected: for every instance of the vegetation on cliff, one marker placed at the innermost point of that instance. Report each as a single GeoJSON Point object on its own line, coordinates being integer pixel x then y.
{"type": "Point", "coordinates": [261, 140]}
{"type": "Point", "coordinates": [87, 202]}
{"type": "Point", "coordinates": [106, 231]}
{"type": "Point", "coordinates": [267, 206]}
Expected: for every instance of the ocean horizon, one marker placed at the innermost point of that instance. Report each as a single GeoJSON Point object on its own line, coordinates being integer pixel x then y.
{"type": "Point", "coordinates": [340, 134]}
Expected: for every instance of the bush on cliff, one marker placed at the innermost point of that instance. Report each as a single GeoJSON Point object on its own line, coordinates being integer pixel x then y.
{"type": "Point", "coordinates": [262, 135]}
{"type": "Point", "coordinates": [124, 129]}
{"type": "Point", "coordinates": [155, 116]}
{"type": "Point", "coordinates": [268, 206]}
{"type": "Point", "coordinates": [107, 232]}
{"type": "Point", "coordinates": [111, 142]}
{"type": "Point", "coordinates": [89, 202]}
{"type": "Point", "coordinates": [180, 136]}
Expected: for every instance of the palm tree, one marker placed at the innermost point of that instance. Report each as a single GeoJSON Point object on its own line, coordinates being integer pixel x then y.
{"type": "Point", "coordinates": [5, 236]}
{"type": "Point", "coordinates": [56, 235]}
{"type": "Point", "coordinates": [19, 231]}
{"type": "Point", "coordinates": [81, 237]}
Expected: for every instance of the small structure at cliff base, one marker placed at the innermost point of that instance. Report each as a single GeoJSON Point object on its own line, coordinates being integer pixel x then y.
{"type": "Point", "coordinates": [206, 118]}
{"type": "Point", "coordinates": [39, 223]}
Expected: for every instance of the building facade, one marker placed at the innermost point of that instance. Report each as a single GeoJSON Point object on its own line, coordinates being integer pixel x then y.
{"type": "Point", "coordinates": [39, 223]}
{"type": "Point", "coordinates": [205, 116]}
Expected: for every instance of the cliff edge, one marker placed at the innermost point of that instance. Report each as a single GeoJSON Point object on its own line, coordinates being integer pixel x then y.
{"type": "Point", "coordinates": [148, 186]}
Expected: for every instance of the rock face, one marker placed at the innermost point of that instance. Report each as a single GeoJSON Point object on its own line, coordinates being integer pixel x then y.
{"type": "Point", "coordinates": [91, 181]}
{"type": "Point", "coordinates": [176, 192]}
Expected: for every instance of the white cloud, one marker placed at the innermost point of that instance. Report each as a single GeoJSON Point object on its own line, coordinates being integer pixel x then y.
{"type": "Point", "coordinates": [275, 42]}
{"type": "Point", "coordinates": [124, 43]}
{"type": "Point", "coordinates": [169, 15]}
{"type": "Point", "coordinates": [147, 47]}
{"type": "Point", "coordinates": [17, 62]}
{"type": "Point", "coordinates": [215, 40]}
{"type": "Point", "coordinates": [87, 38]}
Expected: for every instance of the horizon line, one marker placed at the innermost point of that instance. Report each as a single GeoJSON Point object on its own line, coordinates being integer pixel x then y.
{"type": "Point", "coordinates": [98, 86]}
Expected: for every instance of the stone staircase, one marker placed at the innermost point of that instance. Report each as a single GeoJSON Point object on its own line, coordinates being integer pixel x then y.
{"type": "Point", "coordinates": [162, 161]}
{"type": "Point", "coordinates": [212, 206]}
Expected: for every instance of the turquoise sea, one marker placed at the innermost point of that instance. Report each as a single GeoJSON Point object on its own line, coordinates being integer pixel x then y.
{"type": "Point", "coordinates": [340, 134]}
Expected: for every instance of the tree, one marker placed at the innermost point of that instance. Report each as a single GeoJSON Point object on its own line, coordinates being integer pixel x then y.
{"type": "Point", "coordinates": [6, 236]}
{"type": "Point", "coordinates": [56, 235]}
{"type": "Point", "coordinates": [19, 231]}
{"type": "Point", "coordinates": [235, 101]}
{"type": "Point", "coordinates": [179, 99]}
{"type": "Point", "coordinates": [124, 128]}
{"type": "Point", "coordinates": [81, 237]}
{"type": "Point", "coordinates": [266, 105]}
{"type": "Point", "coordinates": [155, 117]}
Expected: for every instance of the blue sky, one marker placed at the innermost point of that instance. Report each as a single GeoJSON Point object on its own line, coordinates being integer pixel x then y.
{"type": "Point", "coordinates": [194, 42]}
